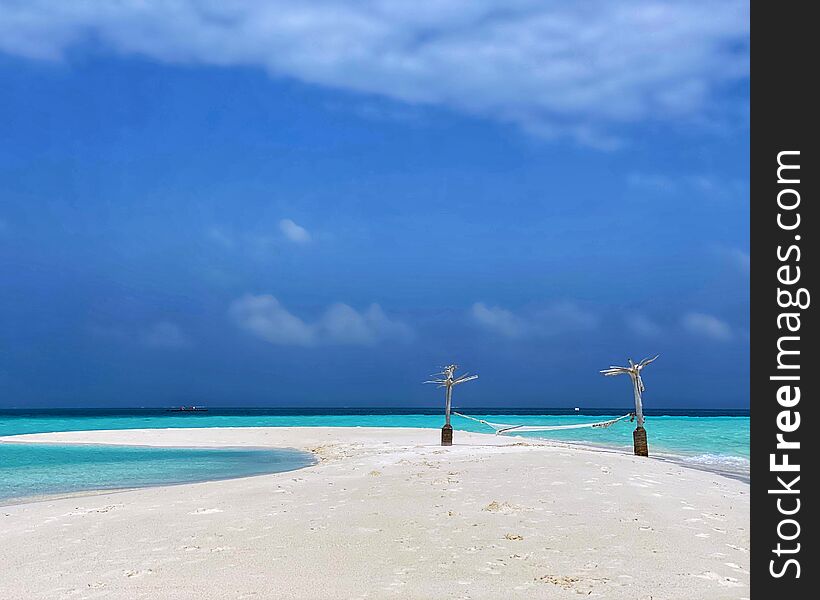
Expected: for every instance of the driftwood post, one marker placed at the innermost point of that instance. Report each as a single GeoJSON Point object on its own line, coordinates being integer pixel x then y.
{"type": "Point", "coordinates": [447, 380]}
{"type": "Point", "coordinates": [639, 442]}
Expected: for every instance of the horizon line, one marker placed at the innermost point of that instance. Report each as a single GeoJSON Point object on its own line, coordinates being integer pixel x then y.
{"type": "Point", "coordinates": [368, 407]}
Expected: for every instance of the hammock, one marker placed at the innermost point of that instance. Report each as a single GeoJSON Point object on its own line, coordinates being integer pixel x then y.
{"type": "Point", "coordinates": [502, 428]}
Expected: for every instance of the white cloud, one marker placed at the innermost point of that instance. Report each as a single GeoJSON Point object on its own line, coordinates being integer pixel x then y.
{"type": "Point", "coordinates": [499, 320]}
{"type": "Point", "coordinates": [264, 317]}
{"type": "Point", "coordinates": [561, 317]}
{"type": "Point", "coordinates": [293, 232]}
{"type": "Point", "coordinates": [707, 326]}
{"type": "Point", "coordinates": [643, 325]}
{"type": "Point", "coordinates": [165, 334]}
{"type": "Point", "coordinates": [554, 68]}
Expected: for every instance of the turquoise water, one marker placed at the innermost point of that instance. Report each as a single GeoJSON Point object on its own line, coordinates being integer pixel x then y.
{"type": "Point", "coordinates": [34, 470]}
{"type": "Point", "coordinates": [719, 443]}
{"type": "Point", "coordinates": [701, 439]}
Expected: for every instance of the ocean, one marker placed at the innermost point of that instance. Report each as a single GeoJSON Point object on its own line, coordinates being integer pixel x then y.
{"type": "Point", "coordinates": [32, 471]}
{"type": "Point", "coordinates": [706, 439]}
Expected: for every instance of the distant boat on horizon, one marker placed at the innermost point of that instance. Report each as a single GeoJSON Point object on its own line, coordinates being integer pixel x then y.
{"type": "Point", "coordinates": [188, 409]}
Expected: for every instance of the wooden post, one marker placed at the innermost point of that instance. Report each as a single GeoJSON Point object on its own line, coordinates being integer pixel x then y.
{"type": "Point", "coordinates": [447, 435]}
{"type": "Point", "coordinates": [636, 387]}
{"type": "Point", "coordinates": [447, 430]}
{"type": "Point", "coordinates": [448, 402]}
{"type": "Point", "coordinates": [447, 381]}
{"type": "Point", "coordinates": [639, 443]}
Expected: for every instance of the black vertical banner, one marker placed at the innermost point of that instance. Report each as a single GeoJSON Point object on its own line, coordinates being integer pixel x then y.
{"type": "Point", "coordinates": [784, 172]}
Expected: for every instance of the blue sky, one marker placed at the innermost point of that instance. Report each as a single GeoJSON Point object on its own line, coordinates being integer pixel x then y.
{"type": "Point", "coordinates": [231, 204]}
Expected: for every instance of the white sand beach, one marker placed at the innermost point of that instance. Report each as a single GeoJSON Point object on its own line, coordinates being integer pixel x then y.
{"type": "Point", "coordinates": [388, 513]}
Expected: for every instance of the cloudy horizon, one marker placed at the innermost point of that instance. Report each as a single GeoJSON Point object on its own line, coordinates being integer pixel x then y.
{"type": "Point", "coordinates": [245, 204]}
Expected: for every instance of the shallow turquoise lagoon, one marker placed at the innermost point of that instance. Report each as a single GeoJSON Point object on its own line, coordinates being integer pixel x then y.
{"type": "Point", "coordinates": [34, 470]}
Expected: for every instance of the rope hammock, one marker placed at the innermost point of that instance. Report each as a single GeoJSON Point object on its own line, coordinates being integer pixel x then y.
{"type": "Point", "coordinates": [502, 428]}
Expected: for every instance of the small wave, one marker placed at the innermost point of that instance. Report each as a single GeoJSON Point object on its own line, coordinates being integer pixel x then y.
{"type": "Point", "coordinates": [719, 460]}
{"type": "Point", "coordinates": [729, 465]}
